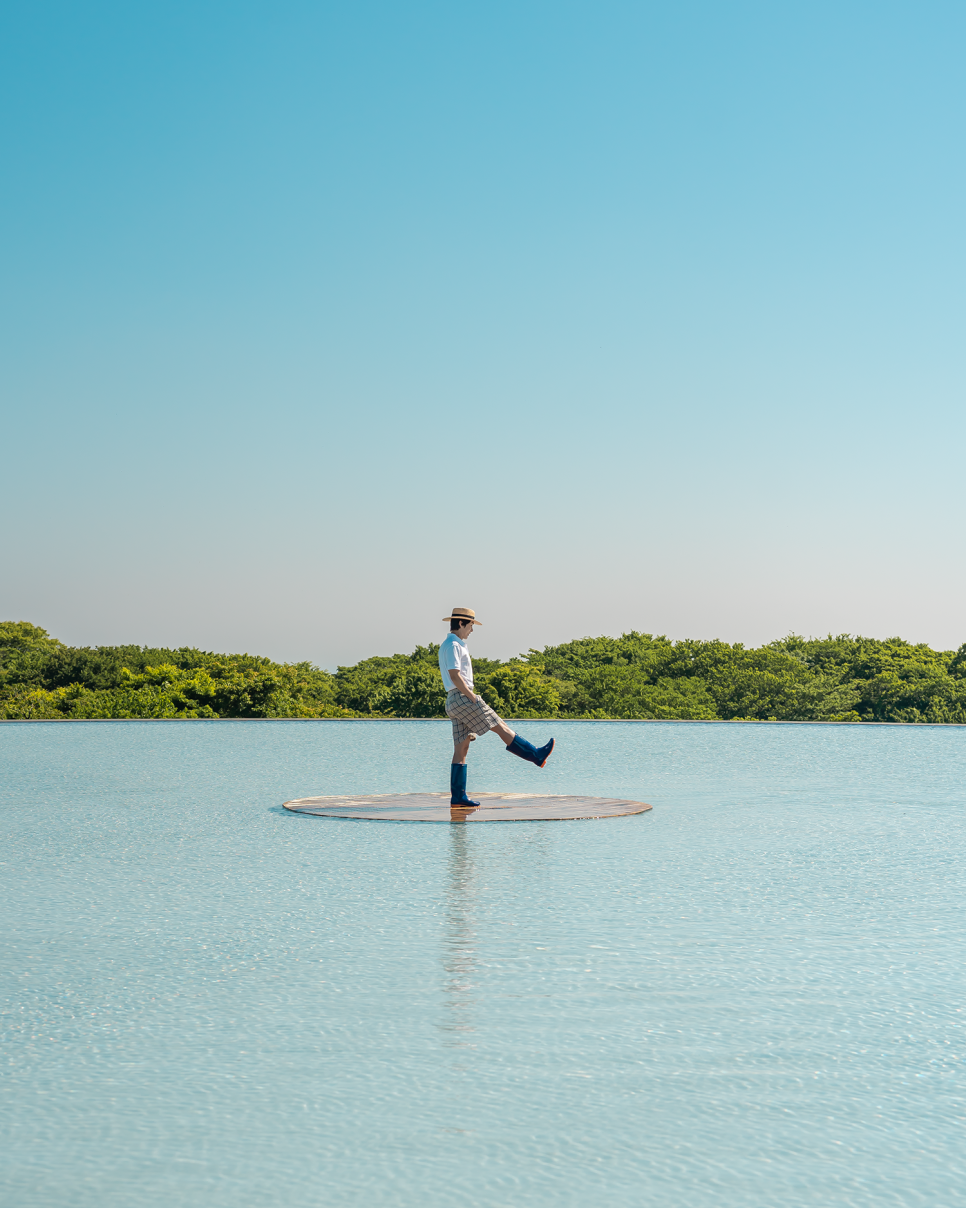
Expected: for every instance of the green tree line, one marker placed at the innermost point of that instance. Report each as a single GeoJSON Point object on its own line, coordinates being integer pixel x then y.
{"type": "Point", "coordinates": [637, 675]}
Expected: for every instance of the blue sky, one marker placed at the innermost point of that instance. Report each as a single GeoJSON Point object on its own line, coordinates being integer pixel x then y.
{"type": "Point", "coordinates": [317, 320]}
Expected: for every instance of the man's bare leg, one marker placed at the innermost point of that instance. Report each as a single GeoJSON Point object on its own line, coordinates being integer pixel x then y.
{"type": "Point", "coordinates": [504, 733]}
{"type": "Point", "coordinates": [501, 729]}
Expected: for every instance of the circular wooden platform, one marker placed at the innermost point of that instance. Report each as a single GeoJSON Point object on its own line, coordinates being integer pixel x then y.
{"type": "Point", "coordinates": [494, 807]}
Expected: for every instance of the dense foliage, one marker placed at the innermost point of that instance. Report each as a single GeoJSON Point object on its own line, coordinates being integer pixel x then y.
{"type": "Point", "coordinates": [635, 676]}
{"type": "Point", "coordinates": [40, 677]}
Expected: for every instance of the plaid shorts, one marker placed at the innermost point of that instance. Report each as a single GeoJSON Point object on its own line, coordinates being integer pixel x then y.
{"type": "Point", "coordinates": [468, 716]}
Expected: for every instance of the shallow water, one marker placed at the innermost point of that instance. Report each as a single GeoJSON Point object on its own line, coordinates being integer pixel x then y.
{"type": "Point", "coordinates": [753, 995]}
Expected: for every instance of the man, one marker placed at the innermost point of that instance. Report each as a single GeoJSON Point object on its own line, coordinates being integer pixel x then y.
{"type": "Point", "coordinates": [470, 714]}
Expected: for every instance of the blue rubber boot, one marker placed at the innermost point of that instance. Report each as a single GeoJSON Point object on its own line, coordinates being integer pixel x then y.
{"type": "Point", "coordinates": [457, 785]}
{"type": "Point", "coordinates": [526, 750]}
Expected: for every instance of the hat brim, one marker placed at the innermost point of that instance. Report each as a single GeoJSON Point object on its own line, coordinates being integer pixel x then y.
{"type": "Point", "coordinates": [472, 620]}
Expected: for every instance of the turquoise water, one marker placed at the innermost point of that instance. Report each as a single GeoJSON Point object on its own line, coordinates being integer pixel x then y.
{"type": "Point", "coordinates": [752, 996]}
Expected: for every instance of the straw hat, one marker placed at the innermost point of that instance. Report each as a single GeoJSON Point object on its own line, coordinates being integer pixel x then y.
{"type": "Point", "coordinates": [463, 614]}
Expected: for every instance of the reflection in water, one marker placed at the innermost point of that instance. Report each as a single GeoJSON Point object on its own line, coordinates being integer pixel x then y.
{"type": "Point", "coordinates": [459, 939]}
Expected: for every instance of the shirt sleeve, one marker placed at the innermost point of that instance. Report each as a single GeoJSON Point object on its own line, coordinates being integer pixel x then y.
{"type": "Point", "coordinates": [448, 661]}
{"type": "Point", "coordinates": [448, 658]}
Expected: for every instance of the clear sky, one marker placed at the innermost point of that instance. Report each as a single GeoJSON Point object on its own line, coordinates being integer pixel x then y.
{"type": "Point", "coordinates": [318, 319]}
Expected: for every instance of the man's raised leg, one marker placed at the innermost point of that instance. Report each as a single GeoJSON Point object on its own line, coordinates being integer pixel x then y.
{"type": "Point", "coordinates": [519, 746]}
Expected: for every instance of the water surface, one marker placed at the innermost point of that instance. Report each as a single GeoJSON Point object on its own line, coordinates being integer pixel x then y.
{"type": "Point", "coordinates": [753, 995]}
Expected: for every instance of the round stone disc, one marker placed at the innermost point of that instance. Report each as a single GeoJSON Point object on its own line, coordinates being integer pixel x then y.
{"type": "Point", "coordinates": [493, 807]}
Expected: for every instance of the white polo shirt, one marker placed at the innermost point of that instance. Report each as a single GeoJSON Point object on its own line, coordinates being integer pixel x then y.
{"type": "Point", "coordinates": [453, 656]}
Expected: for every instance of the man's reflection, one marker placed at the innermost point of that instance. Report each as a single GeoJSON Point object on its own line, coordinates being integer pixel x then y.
{"type": "Point", "coordinates": [459, 939]}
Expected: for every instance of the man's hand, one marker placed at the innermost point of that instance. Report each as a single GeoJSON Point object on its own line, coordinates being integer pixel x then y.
{"type": "Point", "coordinates": [456, 678]}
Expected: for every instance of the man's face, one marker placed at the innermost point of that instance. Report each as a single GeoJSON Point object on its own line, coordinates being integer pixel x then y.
{"type": "Point", "coordinates": [464, 631]}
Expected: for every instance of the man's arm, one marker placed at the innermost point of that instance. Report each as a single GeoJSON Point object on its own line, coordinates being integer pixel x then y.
{"type": "Point", "coordinates": [456, 678]}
